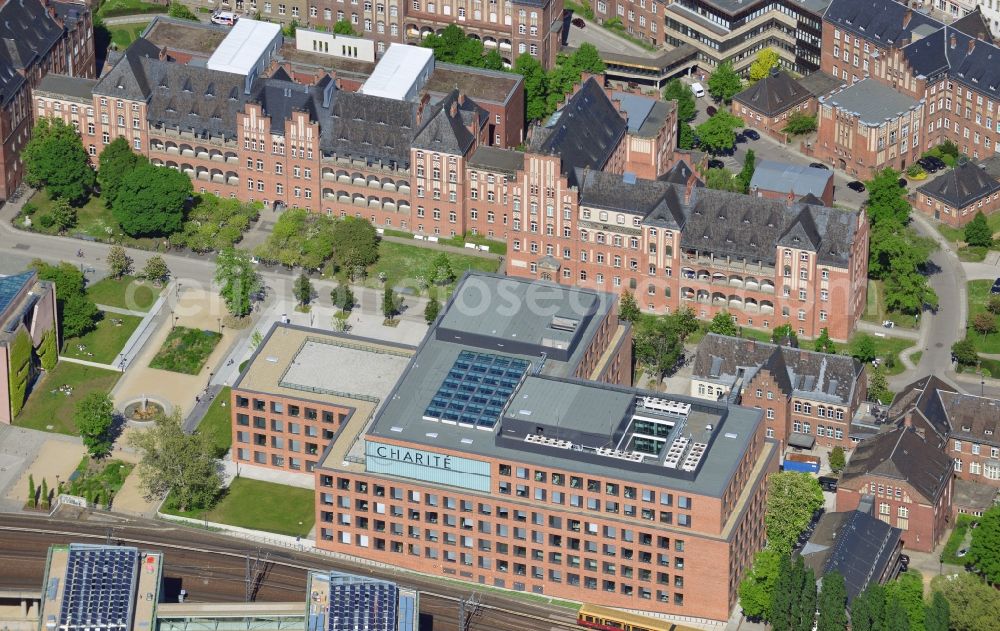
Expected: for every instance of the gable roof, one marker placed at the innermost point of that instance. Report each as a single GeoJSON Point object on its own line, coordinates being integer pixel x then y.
{"type": "Point", "coordinates": [446, 125]}
{"type": "Point", "coordinates": [962, 186]}
{"type": "Point", "coordinates": [796, 179]}
{"type": "Point", "coordinates": [680, 173]}
{"type": "Point", "coordinates": [611, 191]}
{"type": "Point", "coordinates": [773, 94]}
{"type": "Point", "coordinates": [901, 454]}
{"type": "Point", "coordinates": [27, 32]}
{"type": "Point", "coordinates": [365, 126]}
{"type": "Point", "coordinates": [883, 21]}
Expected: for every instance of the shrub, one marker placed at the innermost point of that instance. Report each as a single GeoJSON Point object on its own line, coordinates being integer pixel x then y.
{"type": "Point", "coordinates": [46, 221]}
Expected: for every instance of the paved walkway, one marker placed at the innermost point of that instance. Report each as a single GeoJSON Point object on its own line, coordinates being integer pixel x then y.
{"type": "Point", "coordinates": [119, 310]}
{"type": "Point", "coordinates": [84, 362]}
{"type": "Point", "coordinates": [432, 245]}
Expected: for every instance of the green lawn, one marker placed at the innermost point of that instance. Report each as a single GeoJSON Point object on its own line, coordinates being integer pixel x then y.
{"type": "Point", "coordinates": [49, 409]}
{"type": "Point", "coordinates": [888, 349]}
{"type": "Point", "coordinates": [496, 247]}
{"type": "Point", "coordinates": [124, 34]}
{"type": "Point", "coordinates": [103, 344]}
{"type": "Point", "coordinates": [979, 294]}
{"type": "Point", "coordinates": [403, 263]}
{"type": "Point", "coordinates": [260, 506]}
{"type": "Point", "coordinates": [876, 312]}
{"type": "Point", "coordinates": [112, 8]}
{"type": "Point", "coordinates": [124, 293]}
{"type": "Point", "coordinates": [93, 220]}
{"type": "Point", "coordinates": [217, 424]}
{"type": "Point", "coordinates": [962, 524]}
{"type": "Point", "coordinates": [958, 234]}
{"type": "Point", "coordinates": [185, 350]}
{"type": "Point", "coordinates": [915, 357]}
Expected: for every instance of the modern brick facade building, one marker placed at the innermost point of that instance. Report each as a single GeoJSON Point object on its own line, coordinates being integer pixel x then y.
{"type": "Point", "coordinates": [808, 398]}
{"type": "Point", "coordinates": [39, 38]}
{"type": "Point", "coordinates": [954, 197]}
{"type": "Point", "coordinates": [909, 481]}
{"type": "Point", "coordinates": [27, 317]}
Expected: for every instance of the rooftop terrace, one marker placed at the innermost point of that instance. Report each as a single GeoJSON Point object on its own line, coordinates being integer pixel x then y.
{"type": "Point", "coordinates": [184, 35]}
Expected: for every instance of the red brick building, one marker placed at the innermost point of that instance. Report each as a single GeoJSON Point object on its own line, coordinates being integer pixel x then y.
{"type": "Point", "coordinates": [955, 196]}
{"type": "Point", "coordinates": [909, 480]}
{"type": "Point", "coordinates": [767, 104]}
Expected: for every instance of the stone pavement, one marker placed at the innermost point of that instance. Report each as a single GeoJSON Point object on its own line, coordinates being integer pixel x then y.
{"type": "Point", "coordinates": [233, 469]}
{"type": "Point", "coordinates": [119, 310]}
{"type": "Point", "coordinates": [54, 461]}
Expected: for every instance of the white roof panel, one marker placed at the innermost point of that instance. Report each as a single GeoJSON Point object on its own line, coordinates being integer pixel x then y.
{"type": "Point", "coordinates": [396, 72]}
{"type": "Point", "coordinates": [243, 46]}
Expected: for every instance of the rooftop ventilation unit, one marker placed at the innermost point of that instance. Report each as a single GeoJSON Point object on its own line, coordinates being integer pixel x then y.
{"type": "Point", "coordinates": [538, 439]}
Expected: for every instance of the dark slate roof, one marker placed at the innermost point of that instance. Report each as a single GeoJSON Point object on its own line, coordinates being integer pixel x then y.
{"type": "Point", "coordinates": [962, 186]}
{"type": "Point", "coordinates": [365, 126]}
{"type": "Point", "coordinates": [63, 85]}
{"type": "Point", "coordinates": [11, 81]}
{"type": "Point", "coordinates": [920, 398]}
{"type": "Point", "coordinates": [680, 173]}
{"type": "Point", "coordinates": [446, 128]}
{"type": "Point", "coordinates": [773, 94]}
{"type": "Point", "coordinates": [855, 544]}
{"type": "Point", "coordinates": [127, 78]}
{"type": "Point", "coordinates": [901, 454]}
{"type": "Point", "coordinates": [584, 133]}
{"type": "Point", "coordinates": [880, 21]}
{"type": "Point", "coordinates": [742, 226]}
{"type": "Point", "coordinates": [193, 98]}
{"type": "Point", "coordinates": [70, 12]}
{"type": "Point", "coordinates": [974, 25]}
{"type": "Point", "coordinates": [496, 159]}
{"type": "Point", "coordinates": [279, 99]}
{"type": "Point", "coordinates": [27, 32]}
{"type": "Point", "coordinates": [817, 376]}
{"type": "Point", "coordinates": [611, 191]}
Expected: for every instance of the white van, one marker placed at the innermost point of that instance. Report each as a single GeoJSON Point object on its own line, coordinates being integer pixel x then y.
{"type": "Point", "coordinates": [697, 89]}
{"type": "Point", "coordinates": [226, 18]}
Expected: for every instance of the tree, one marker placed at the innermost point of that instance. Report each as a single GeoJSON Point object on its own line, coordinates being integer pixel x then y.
{"type": "Point", "coordinates": [805, 607]}
{"type": "Point", "coordinates": [628, 308]}
{"type": "Point", "coordinates": [181, 12]}
{"type": "Point", "coordinates": [237, 279]}
{"type": "Point", "coordinates": [761, 66]}
{"type": "Point", "coordinates": [305, 239]}
{"type": "Point", "coordinates": [441, 272]}
{"type": "Point", "coordinates": [63, 215]}
{"type": "Point", "coordinates": [824, 344]}
{"type": "Point", "coordinates": [116, 161]}
{"type": "Point", "coordinates": [863, 348]}
{"type": "Point", "coordinates": [156, 269]}
{"type": "Point", "coordinates": [757, 587]}
{"type": "Point", "coordinates": [837, 459]}
{"type": "Point", "coordinates": [77, 313]}
{"type": "Point", "coordinates": [973, 604]}
{"type": "Point", "coordinates": [977, 232]}
{"type": "Point", "coordinates": [722, 324]}
{"type": "Point", "coordinates": [588, 59]}
{"type": "Point", "coordinates": [783, 332]}
{"type": "Point", "coordinates": [493, 60]}
{"type": "Point", "coordinates": [535, 89]}
{"type": "Point", "coordinates": [289, 30]}
{"type": "Point", "coordinates": [681, 94]}
{"type": "Point", "coordinates": [965, 352]}
{"type": "Point", "coordinates": [32, 492]}
{"type": "Point", "coordinates": [746, 174]}
{"type": "Point", "coordinates": [886, 199]}
{"type": "Point", "coordinates": [868, 609]}
{"type": "Point", "coordinates": [984, 323]}
{"type": "Point", "coordinates": [786, 604]}
{"type": "Point", "coordinates": [432, 310]}
{"type": "Point", "coordinates": [303, 289]}
{"type": "Point", "coordinates": [685, 136]}
{"type": "Point", "coordinates": [453, 46]}
{"type": "Point", "coordinates": [937, 615]}
{"type": "Point", "coordinates": [119, 262]}
{"type": "Point", "coordinates": [792, 498]}
{"type": "Point", "coordinates": [659, 341]}
{"type": "Point", "coordinates": [355, 243]}
{"type": "Point", "coordinates": [390, 304]}
{"type": "Point", "coordinates": [344, 27]}
{"type": "Point", "coordinates": [55, 159]}
{"type": "Point", "coordinates": [724, 83]}
{"type": "Point", "coordinates": [908, 591]}
{"type": "Point", "coordinates": [801, 123]}
{"type": "Point", "coordinates": [183, 464]}
{"type": "Point", "coordinates": [878, 385]}
{"type": "Point", "coordinates": [342, 297]}
{"type": "Point", "coordinates": [256, 338]}
{"type": "Point", "coordinates": [984, 553]}
{"type": "Point", "coordinates": [718, 133]}
{"type": "Point", "coordinates": [94, 418]}
{"type": "Point", "coordinates": [151, 201]}
{"type": "Point", "coordinates": [993, 305]}
{"type": "Point", "coordinates": [722, 180]}
{"type": "Point", "coordinates": [896, 617]}
{"type": "Point", "coordinates": [44, 494]}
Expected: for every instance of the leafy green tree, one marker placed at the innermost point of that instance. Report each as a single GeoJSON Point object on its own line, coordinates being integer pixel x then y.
{"type": "Point", "coordinates": [984, 553]}
{"type": "Point", "coordinates": [355, 243]}
{"type": "Point", "coordinates": [659, 341]}
{"type": "Point", "coordinates": [977, 232]}
{"type": "Point", "coordinates": [305, 239]}
{"type": "Point", "coordinates": [965, 352]}
{"type": "Point", "coordinates": [973, 604]}
{"type": "Point", "coordinates": [824, 344]}
{"type": "Point", "coordinates": [453, 46]}
{"type": "Point", "coordinates": [805, 606]}
{"type": "Point", "coordinates": [390, 303]}
{"type": "Point", "coordinates": [782, 332]}
{"type": "Point", "coordinates": [256, 338]}
{"type": "Point", "coordinates": [535, 87]}
{"type": "Point", "coordinates": [237, 280]}
{"type": "Point", "coordinates": [156, 269]}
{"type": "Point", "coordinates": [628, 308]}
{"type": "Point", "coordinates": [886, 199]}
{"type": "Point", "coordinates": [303, 289]}
{"type": "Point", "coordinates": [832, 603]}
{"type": "Point", "coordinates": [761, 66]}
{"type": "Point", "coordinates": [493, 60]}
{"type": "Point", "coordinates": [183, 464]}
{"type": "Point", "coordinates": [801, 123]}
{"type": "Point", "coordinates": [432, 310]}
{"type": "Point", "coordinates": [863, 348]}
{"type": "Point", "coordinates": [868, 609]}
{"type": "Point", "coordinates": [151, 201]}
{"type": "Point", "coordinates": [441, 272]}
{"type": "Point", "coordinates": [344, 27]}
{"type": "Point", "coordinates": [718, 133]}
{"type": "Point", "coordinates": [722, 323]}
{"type": "Point", "coordinates": [588, 59]}
{"type": "Point", "coordinates": [685, 136]}
{"type": "Point", "coordinates": [63, 215]}
{"type": "Point", "coordinates": [896, 617]}
{"type": "Point", "coordinates": [937, 615]}
{"type": "Point", "coordinates": [908, 590]}
{"type": "Point", "coordinates": [993, 305]}
{"type": "Point", "coordinates": [724, 83]}
{"type": "Point", "coordinates": [77, 312]}
{"type": "Point", "coordinates": [94, 418]}
{"type": "Point", "coordinates": [786, 605]}
{"type": "Point", "coordinates": [837, 459]}
{"type": "Point", "coordinates": [906, 288]}
{"type": "Point", "coordinates": [878, 385]}
{"type": "Point", "coordinates": [119, 262]}
{"type": "Point", "coordinates": [32, 492]}
{"type": "Point", "coordinates": [181, 12]}
{"type": "Point", "coordinates": [681, 94]}
{"type": "Point", "coordinates": [722, 180]}
{"type": "Point", "coordinates": [342, 297]}
{"type": "Point", "coordinates": [115, 162]}
{"type": "Point", "coordinates": [212, 223]}
{"type": "Point", "coordinates": [757, 587]}
{"type": "Point", "coordinates": [746, 174]}
{"type": "Point", "coordinates": [792, 498]}
{"type": "Point", "coordinates": [984, 323]}
{"type": "Point", "coordinates": [54, 159]}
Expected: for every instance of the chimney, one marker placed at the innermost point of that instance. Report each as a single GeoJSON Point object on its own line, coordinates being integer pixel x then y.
{"type": "Point", "coordinates": [453, 110]}
{"type": "Point", "coordinates": [163, 54]}
{"type": "Point", "coordinates": [689, 188]}
{"type": "Point", "coordinates": [461, 98]}
{"type": "Point", "coordinates": [953, 41]}
{"type": "Point", "coordinates": [972, 44]}
{"type": "Point", "coordinates": [907, 17]}
{"type": "Point", "coordinates": [790, 199]}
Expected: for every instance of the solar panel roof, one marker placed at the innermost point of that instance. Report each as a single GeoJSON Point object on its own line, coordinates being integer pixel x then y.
{"type": "Point", "coordinates": [99, 588]}
{"type": "Point", "coordinates": [477, 387]}
{"type": "Point", "coordinates": [363, 606]}
{"type": "Point", "coordinates": [10, 286]}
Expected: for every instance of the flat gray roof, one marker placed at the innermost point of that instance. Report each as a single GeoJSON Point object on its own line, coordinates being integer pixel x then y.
{"type": "Point", "coordinates": [569, 403]}
{"type": "Point", "coordinates": [872, 102]}
{"type": "Point", "coordinates": [63, 85]}
{"type": "Point", "coordinates": [330, 364]}
{"type": "Point", "coordinates": [798, 179]}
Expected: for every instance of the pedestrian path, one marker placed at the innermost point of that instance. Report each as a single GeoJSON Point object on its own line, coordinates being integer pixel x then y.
{"type": "Point", "coordinates": [84, 362]}
{"type": "Point", "coordinates": [119, 310]}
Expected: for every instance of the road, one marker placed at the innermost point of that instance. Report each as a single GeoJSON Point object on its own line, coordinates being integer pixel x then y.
{"type": "Point", "coordinates": [212, 568]}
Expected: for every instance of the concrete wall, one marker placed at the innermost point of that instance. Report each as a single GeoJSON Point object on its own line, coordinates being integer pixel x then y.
{"type": "Point", "coordinates": [340, 46]}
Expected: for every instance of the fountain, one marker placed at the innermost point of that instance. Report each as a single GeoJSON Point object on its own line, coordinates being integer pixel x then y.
{"type": "Point", "coordinates": [143, 410]}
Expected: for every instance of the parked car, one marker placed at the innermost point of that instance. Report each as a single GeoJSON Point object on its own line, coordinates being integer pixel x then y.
{"type": "Point", "coordinates": [725, 152]}
{"type": "Point", "coordinates": [995, 289]}
{"type": "Point", "coordinates": [579, 23]}
{"type": "Point", "coordinates": [819, 165]}
{"type": "Point", "coordinates": [741, 138]}
{"type": "Point", "coordinates": [751, 134]}
{"type": "Point", "coordinates": [938, 162]}
{"type": "Point", "coordinates": [226, 18]}
{"type": "Point", "coordinates": [961, 553]}
{"type": "Point", "coordinates": [902, 182]}
{"type": "Point", "coordinates": [856, 186]}
{"type": "Point", "coordinates": [930, 164]}
{"type": "Point", "coordinates": [711, 111]}
{"type": "Point", "coordinates": [828, 483]}
{"type": "Point", "coordinates": [716, 164]}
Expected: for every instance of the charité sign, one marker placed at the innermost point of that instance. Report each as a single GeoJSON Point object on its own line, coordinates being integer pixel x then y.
{"type": "Point", "coordinates": [426, 465]}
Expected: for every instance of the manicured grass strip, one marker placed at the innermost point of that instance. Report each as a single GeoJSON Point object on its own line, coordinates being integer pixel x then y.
{"type": "Point", "coordinates": [51, 409]}
{"type": "Point", "coordinates": [888, 349]}
{"type": "Point", "coordinates": [979, 295]}
{"type": "Point", "coordinates": [217, 424]}
{"type": "Point", "coordinates": [260, 505]}
{"type": "Point", "coordinates": [403, 263]}
{"type": "Point", "coordinates": [185, 350]}
{"type": "Point", "coordinates": [962, 525]}
{"type": "Point", "coordinates": [125, 293]}
{"type": "Point", "coordinates": [104, 343]}
{"type": "Point", "coordinates": [124, 34]}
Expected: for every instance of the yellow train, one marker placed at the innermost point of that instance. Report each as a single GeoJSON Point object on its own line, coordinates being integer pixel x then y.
{"type": "Point", "coordinates": [607, 619]}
